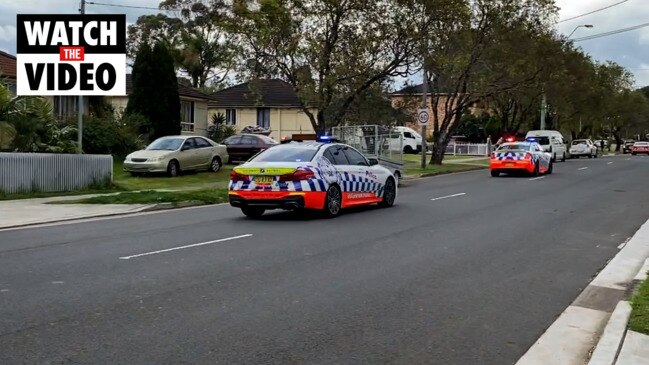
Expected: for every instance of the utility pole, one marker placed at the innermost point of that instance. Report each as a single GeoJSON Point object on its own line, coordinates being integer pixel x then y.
{"type": "Point", "coordinates": [424, 105]}
{"type": "Point", "coordinates": [544, 109]}
{"type": "Point", "coordinates": [82, 10]}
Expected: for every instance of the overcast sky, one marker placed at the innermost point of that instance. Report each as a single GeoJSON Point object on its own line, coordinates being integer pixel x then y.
{"type": "Point", "coordinates": [628, 49]}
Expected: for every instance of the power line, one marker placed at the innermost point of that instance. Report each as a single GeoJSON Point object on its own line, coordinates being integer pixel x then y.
{"type": "Point", "coordinates": [129, 6]}
{"type": "Point", "coordinates": [592, 12]}
{"type": "Point", "coordinates": [613, 32]}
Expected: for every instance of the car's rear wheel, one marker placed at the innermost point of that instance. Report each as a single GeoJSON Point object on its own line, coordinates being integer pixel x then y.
{"type": "Point", "coordinates": [495, 173]}
{"type": "Point", "coordinates": [563, 158]}
{"type": "Point", "coordinates": [333, 202]}
{"type": "Point", "coordinates": [389, 193]}
{"type": "Point", "coordinates": [536, 170]}
{"type": "Point", "coordinates": [408, 150]}
{"type": "Point", "coordinates": [215, 166]}
{"type": "Point", "coordinates": [253, 212]}
{"type": "Point", "coordinates": [550, 168]}
{"type": "Point", "coordinates": [173, 169]}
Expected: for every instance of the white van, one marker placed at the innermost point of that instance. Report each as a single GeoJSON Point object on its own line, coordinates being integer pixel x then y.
{"type": "Point", "coordinates": [551, 141]}
{"type": "Point", "coordinates": [406, 139]}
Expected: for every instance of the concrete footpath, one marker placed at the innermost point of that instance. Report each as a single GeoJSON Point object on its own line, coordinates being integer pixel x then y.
{"type": "Point", "coordinates": [592, 329]}
{"type": "Point", "coordinates": [23, 212]}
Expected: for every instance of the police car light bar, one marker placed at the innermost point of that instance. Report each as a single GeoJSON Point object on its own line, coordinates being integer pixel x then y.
{"type": "Point", "coordinates": [327, 139]}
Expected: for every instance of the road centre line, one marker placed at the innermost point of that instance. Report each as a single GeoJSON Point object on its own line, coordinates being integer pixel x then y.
{"type": "Point", "coordinates": [609, 163]}
{"type": "Point", "coordinates": [582, 168]}
{"type": "Point", "coordinates": [537, 178]}
{"type": "Point", "coordinates": [448, 196]}
{"type": "Point", "coordinates": [186, 246]}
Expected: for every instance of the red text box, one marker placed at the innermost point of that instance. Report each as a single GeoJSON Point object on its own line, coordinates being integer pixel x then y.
{"type": "Point", "coordinates": [71, 53]}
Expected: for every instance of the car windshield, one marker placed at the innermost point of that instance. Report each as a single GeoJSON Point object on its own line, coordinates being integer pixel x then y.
{"type": "Point", "coordinates": [166, 144]}
{"type": "Point", "coordinates": [539, 140]}
{"type": "Point", "coordinates": [286, 153]}
{"type": "Point", "coordinates": [578, 142]}
{"type": "Point", "coordinates": [515, 147]}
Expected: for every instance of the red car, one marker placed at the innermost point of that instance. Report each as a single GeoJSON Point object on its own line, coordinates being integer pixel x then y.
{"type": "Point", "coordinates": [242, 147]}
{"type": "Point", "coordinates": [640, 148]}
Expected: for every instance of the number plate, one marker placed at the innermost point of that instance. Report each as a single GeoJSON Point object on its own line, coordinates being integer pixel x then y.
{"type": "Point", "coordinates": [509, 164]}
{"type": "Point", "coordinates": [263, 179]}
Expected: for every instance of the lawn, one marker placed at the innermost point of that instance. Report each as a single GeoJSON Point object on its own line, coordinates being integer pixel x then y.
{"type": "Point", "coordinates": [412, 165]}
{"type": "Point", "coordinates": [199, 180]}
{"type": "Point", "coordinates": [639, 320]}
{"type": "Point", "coordinates": [208, 196]}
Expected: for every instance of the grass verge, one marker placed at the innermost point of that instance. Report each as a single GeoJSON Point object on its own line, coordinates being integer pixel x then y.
{"type": "Point", "coordinates": [432, 170]}
{"type": "Point", "coordinates": [639, 320]}
{"type": "Point", "coordinates": [209, 196]}
{"type": "Point", "coordinates": [187, 181]}
{"type": "Point", "coordinates": [42, 194]}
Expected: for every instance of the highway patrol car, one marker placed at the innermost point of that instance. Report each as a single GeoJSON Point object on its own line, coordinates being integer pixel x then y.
{"type": "Point", "coordinates": [515, 157]}
{"type": "Point", "coordinates": [321, 176]}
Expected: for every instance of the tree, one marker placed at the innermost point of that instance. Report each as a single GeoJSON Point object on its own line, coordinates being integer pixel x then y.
{"type": "Point", "coordinates": [155, 92]}
{"type": "Point", "coordinates": [472, 57]}
{"type": "Point", "coordinates": [329, 51]}
{"type": "Point", "coordinates": [195, 36]}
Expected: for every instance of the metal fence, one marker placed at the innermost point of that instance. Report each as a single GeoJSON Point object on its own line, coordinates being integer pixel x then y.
{"type": "Point", "coordinates": [467, 149]}
{"type": "Point", "coordinates": [30, 172]}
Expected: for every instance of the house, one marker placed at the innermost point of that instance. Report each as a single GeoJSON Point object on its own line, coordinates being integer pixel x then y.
{"type": "Point", "coordinates": [267, 103]}
{"type": "Point", "coordinates": [409, 100]}
{"type": "Point", "coordinates": [8, 71]}
{"type": "Point", "coordinates": [193, 107]}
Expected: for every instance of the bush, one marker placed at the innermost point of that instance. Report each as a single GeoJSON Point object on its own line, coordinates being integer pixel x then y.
{"type": "Point", "coordinates": [218, 131]}
{"type": "Point", "coordinates": [117, 136]}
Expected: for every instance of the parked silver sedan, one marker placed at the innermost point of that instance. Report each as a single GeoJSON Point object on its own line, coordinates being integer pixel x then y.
{"type": "Point", "coordinates": [174, 154]}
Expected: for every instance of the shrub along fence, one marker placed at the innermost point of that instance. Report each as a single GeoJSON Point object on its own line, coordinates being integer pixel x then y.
{"type": "Point", "coordinates": [36, 172]}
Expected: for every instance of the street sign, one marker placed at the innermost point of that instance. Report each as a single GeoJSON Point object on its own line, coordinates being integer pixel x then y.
{"type": "Point", "coordinates": [423, 117]}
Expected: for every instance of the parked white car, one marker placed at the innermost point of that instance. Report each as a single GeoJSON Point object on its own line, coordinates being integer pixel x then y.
{"type": "Point", "coordinates": [551, 141]}
{"type": "Point", "coordinates": [583, 147]}
{"type": "Point", "coordinates": [405, 139]}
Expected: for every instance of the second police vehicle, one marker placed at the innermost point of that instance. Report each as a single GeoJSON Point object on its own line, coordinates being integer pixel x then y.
{"type": "Point", "coordinates": [516, 157]}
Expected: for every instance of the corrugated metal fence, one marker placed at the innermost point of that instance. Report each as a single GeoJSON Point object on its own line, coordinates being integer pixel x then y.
{"type": "Point", "coordinates": [29, 172]}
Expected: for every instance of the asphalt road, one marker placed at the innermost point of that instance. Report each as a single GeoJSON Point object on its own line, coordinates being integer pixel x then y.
{"type": "Point", "coordinates": [473, 278]}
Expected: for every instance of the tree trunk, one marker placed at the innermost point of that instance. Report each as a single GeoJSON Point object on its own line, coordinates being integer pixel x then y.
{"type": "Point", "coordinates": [618, 138]}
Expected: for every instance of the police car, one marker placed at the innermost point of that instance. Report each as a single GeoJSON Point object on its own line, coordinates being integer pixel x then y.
{"type": "Point", "coordinates": [310, 175]}
{"type": "Point", "coordinates": [515, 157]}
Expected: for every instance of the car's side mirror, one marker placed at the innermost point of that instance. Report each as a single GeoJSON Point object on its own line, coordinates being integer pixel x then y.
{"type": "Point", "coordinates": [374, 161]}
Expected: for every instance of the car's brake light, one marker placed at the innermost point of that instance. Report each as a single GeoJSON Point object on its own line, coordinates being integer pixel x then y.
{"type": "Point", "coordinates": [235, 176]}
{"type": "Point", "coordinates": [298, 175]}
{"type": "Point", "coordinates": [528, 156]}
{"type": "Point", "coordinates": [493, 155]}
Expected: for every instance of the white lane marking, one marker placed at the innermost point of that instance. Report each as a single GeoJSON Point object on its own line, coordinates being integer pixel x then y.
{"type": "Point", "coordinates": [582, 168]}
{"type": "Point", "coordinates": [609, 163]}
{"type": "Point", "coordinates": [448, 196]}
{"type": "Point", "coordinates": [57, 282]}
{"type": "Point", "coordinates": [627, 159]}
{"type": "Point", "coordinates": [538, 178]}
{"type": "Point", "coordinates": [186, 246]}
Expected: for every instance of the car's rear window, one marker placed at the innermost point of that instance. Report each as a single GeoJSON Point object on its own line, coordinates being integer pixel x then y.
{"type": "Point", "coordinates": [578, 142]}
{"type": "Point", "coordinates": [515, 147]}
{"type": "Point", "coordinates": [642, 144]}
{"type": "Point", "coordinates": [286, 153]}
{"type": "Point", "coordinates": [540, 140]}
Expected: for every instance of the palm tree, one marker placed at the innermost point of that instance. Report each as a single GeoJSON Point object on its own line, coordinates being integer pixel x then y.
{"type": "Point", "coordinates": [27, 124]}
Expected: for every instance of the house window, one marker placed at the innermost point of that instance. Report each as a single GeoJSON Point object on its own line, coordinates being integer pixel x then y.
{"type": "Point", "coordinates": [263, 117]}
{"type": "Point", "coordinates": [67, 106]}
{"type": "Point", "coordinates": [230, 117]}
{"type": "Point", "coordinates": [187, 115]}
